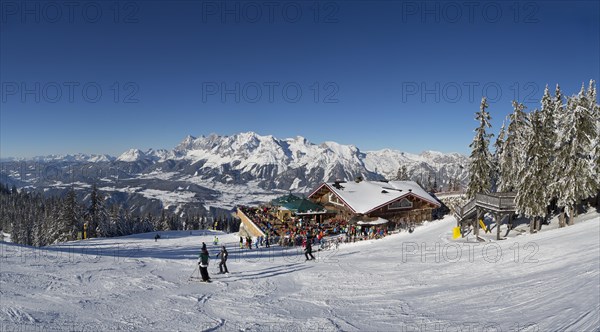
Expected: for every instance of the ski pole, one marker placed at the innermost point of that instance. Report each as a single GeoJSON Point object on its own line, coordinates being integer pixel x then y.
{"type": "Point", "coordinates": [193, 272]}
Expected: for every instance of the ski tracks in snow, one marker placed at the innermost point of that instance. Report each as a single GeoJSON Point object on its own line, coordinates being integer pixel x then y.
{"type": "Point", "coordinates": [368, 286]}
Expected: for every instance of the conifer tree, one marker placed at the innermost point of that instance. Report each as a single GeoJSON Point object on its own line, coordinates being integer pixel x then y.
{"type": "Point", "coordinates": [558, 110]}
{"type": "Point", "coordinates": [402, 174]}
{"type": "Point", "coordinates": [498, 149]}
{"type": "Point", "coordinates": [532, 190]}
{"type": "Point", "coordinates": [548, 112]}
{"type": "Point", "coordinates": [96, 212]}
{"type": "Point", "coordinates": [480, 167]}
{"type": "Point", "coordinates": [576, 178]}
{"type": "Point", "coordinates": [69, 218]}
{"type": "Point", "coordinates": [166, 224]}
{"type": "Point", "coordinates": [595, 109]}
{"type": "Point", "coordinates": [511, 158]}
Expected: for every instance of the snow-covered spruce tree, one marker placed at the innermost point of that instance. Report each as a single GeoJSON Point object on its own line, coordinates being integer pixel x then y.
{"type": "Point", "coordinates": [480, 166]}
{"type": "Point", "coordinates": [96, 213]}
{"type": "Point", "coordinates": [39, 221]}
{"type": "Point", "coordinates": [550, 107]}
{"type": "Point", "coordinates": [108, 227]}
{"type": "Point", "coordinates": [69, 218]}
{"type": "Point", "coordinates": [38, 235]}
{"type": "Point", "coordinates": [595, 108]}
{"type": "Point", "coordinates": [576, 178]}
{"type": "Point", "coordinates": [402, 174]}
{"type": "Point", "coordinates": [47, 222]}
{"type": "Point", "coordinates": [196, 222]}
{"type": "Point", "coordinates": [511, 158]}
{"type": "Point", "coordinates": [166, 224]}
{"type": "Point", "coordinates": [454, 184]}
{"type": "Point", "coordinates": [52, 220]}
{"type": "Point", "coordinates": [175, 223]}
{"type": "Point", "coordinates": [151, 221]}
{"type": "Point", "coordinates": [532, 190]}
{"type": "Point", "coordinates": [186, 223]}
{"type": "Point", "coordinates": [558, 109]}
{"type": "Point", "coordinates": [204, 222]}
{"type": "Point", "coordinates": [125, 224]}
{"type": "Point", "coordinates": [27, 219]}
{"type": "Point", "coordinates": [431, 183]}
{"type": "Point", "coordinates": [547, 116]}
{"type": "Point", "coordinates": [158, 222]}
{"type": "Point", "coordinates": [498, 149]}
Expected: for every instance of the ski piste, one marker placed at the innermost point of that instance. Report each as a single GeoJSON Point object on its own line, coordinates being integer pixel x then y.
{"type": "Point", "coordinates": [396, 275]}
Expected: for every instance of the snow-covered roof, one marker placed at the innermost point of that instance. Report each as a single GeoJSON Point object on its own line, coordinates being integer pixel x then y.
{"type": "Point", "coordinates": [366, 196]}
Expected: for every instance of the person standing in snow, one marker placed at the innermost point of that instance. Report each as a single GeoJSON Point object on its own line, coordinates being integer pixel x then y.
{"type": "Point", "coordinates": [308, 249]}
{"type": "Point", "coordinates": [222, 265]}
{"type": "Point", "coordinates": [216, 240]}
{"type": "Point", "coordinates": [203, 263]}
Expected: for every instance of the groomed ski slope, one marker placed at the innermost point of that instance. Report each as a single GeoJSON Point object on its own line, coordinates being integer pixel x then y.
{"type": "Point", "coordinates": [422, 281]}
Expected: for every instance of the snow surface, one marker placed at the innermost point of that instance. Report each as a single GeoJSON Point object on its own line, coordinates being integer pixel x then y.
{"type": "Point", "coordinates": [422, 281]}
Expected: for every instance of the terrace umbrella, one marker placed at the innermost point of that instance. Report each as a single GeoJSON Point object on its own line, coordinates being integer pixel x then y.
{"type": "Point", "coordinates": [279, 201]}
{"type": "Point", "coordinates": [303, 205]}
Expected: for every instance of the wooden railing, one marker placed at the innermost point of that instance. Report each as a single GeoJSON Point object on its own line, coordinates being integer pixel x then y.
{"type": "Point", "coordinates": [497, 202]}
{"type": "Point", "coordinates": [464, 210]}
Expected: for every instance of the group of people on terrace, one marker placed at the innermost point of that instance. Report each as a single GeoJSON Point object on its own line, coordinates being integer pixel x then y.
{"type": "Point", "coordinates": [295, 230]}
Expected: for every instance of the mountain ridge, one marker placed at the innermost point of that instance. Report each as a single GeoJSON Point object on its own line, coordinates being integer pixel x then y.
{"type": "Point", "coordinates": [223, 171]}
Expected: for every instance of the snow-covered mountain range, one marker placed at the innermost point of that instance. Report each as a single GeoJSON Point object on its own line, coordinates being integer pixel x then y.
{"type": "Point", "coordinates": [227, 170]}
{"type": "Point", "coordinates": [278, 162]}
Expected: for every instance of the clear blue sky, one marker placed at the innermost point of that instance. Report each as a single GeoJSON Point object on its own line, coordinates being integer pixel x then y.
{"type": "Point", "coordinates": [406, 75]}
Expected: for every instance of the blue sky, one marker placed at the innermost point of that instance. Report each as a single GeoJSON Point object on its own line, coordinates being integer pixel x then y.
{"type": "Point", "coordinates": [102, 77]}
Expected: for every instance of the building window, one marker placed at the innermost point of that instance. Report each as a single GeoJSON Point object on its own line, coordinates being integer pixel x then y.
{"type": "Point", "coordinates": [401, 204]}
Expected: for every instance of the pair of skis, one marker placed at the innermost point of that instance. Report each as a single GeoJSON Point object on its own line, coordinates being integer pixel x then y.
{"type": "Point", "coordinates": [199, 279]}
{"type": "Point", "coordinates": [195, 276]}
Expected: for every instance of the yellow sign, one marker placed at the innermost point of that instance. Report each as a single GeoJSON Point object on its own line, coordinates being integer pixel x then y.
{"type": "Point", "coordinates": [455, 233]}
